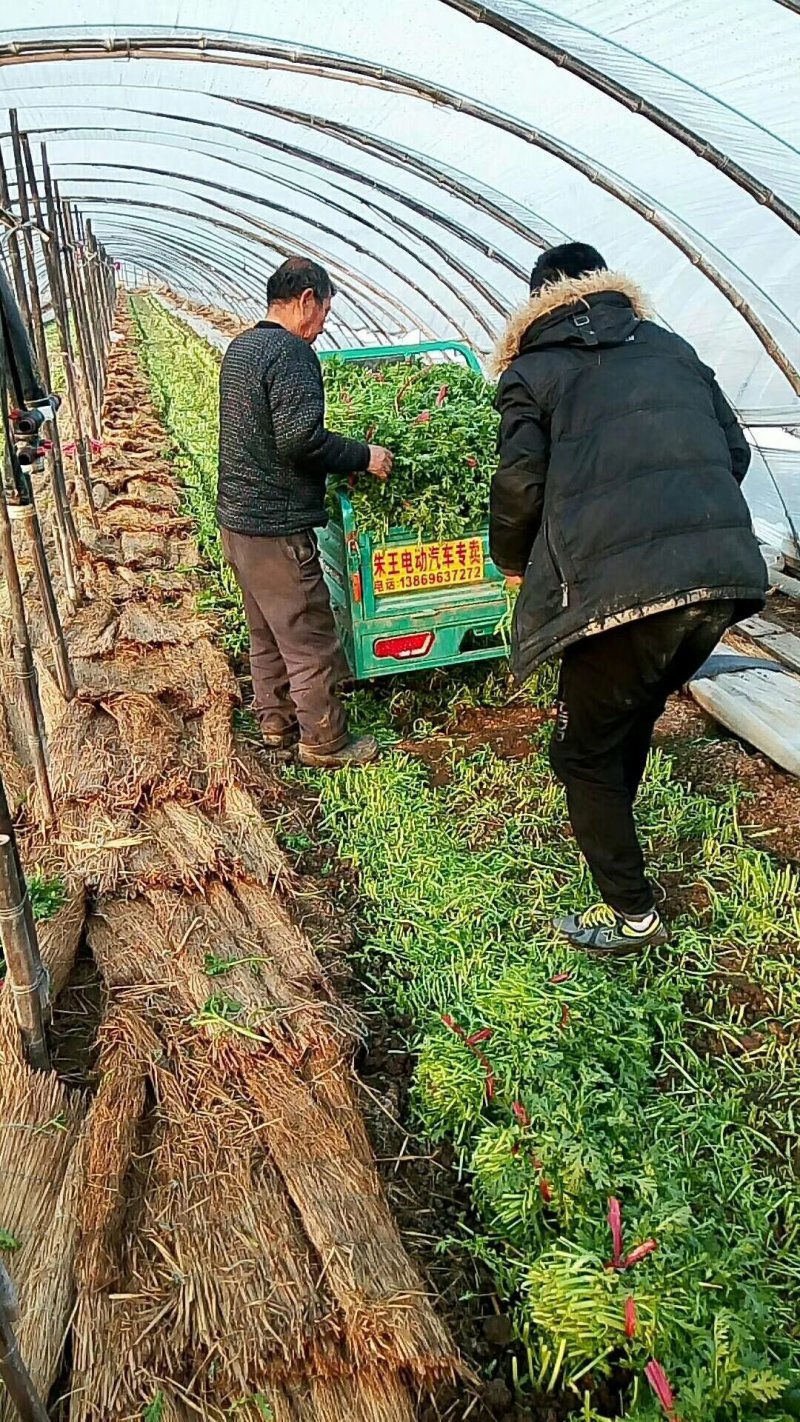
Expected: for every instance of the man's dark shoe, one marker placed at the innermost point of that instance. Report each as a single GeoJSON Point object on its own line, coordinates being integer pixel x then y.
{"type": "Point", "coordinates": [359, 750]}
{"type": "Point", "coordinates": [602, 930]}
{"type": "Point", "coordinates": [280, 738]}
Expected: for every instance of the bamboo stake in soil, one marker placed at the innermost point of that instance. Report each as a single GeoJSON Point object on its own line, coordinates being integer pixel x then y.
{"type": "Point", "coordinates": [13, 1373]}
{"type": "Point", "coordinates": [23, 509]}
{"type": "Point", "coordinates": [13, 248]}
{"type": "Point", "coordinates": [26, 973]}
{"type": "Point", "coordinates": [61, 511]}
{"type": "Point", "coordinates": [24, 666]}
{"type": "Point", "coordinates": [58, 292]}
{"type": "Point", "coordinates": [79, 314]}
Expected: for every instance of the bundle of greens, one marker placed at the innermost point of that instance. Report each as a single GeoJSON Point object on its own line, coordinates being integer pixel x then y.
{"type": "Point", "coordinates": [440, 424]}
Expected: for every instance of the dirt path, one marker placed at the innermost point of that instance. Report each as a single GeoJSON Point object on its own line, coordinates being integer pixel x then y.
{"type": "Point", "coordinates": [213, 1198]}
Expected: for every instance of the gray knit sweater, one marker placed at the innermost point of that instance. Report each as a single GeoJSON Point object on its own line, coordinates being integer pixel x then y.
{"type": "Point", "coordinates": [274, 449]}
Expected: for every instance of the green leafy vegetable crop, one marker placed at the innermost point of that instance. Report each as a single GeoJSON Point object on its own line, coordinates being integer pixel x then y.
{"type": "Point", "coordinates": [567, 1083]}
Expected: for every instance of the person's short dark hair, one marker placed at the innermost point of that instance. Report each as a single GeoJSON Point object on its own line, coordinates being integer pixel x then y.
{"type": "Point", "coordinates": [571, 259]}
{"type": "Point", "coordinates": [296, 275]}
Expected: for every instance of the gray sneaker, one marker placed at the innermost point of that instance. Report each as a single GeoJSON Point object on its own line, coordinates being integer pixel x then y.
{"type": "Point", "coordinates": [603, 930]}
{"type": "Point", "coordinates": [359, 750]}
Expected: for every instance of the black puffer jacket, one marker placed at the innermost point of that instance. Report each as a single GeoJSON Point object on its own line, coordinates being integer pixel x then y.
{"type": "Point", "coordinates": [618, 489]}
{"type": "Point", "coordinates": [274, 449]}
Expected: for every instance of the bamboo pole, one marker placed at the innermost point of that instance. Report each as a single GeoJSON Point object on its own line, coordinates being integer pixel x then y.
{"type": "Point", "coordinates": [61, 512]}
{"type": "Point", "coordinates": [24, 513]}
{"type": "Point", "coordinates": [82, 341]}
{"type": "Point", "coordinates": [20, 508]}
{"type": "Point", "coordinates": [13, 248]}
{"type": "Point", "coordinates": [7, 828]}
{"type": "Point", "coordinates": [27, 975]}
{"type": "Point", "coordinates": [24, 667]}
{"type": "Point", "coordinates": [46, 368]}
{"type": "Point", "coordinates": [58, 293]}
{"type": "Point", "coordinates": [14, 1375]}
{"type": "Point", "coordinates": [90, 315]}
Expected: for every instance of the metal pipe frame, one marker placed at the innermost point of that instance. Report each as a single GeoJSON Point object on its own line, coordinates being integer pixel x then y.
{"type": "Point", "coordinates": [631, 100]}
{"type": "Point", "coordinates": [314, 224]}
{"type": "Point", "coordinates": [338, 271]}
{"type": "Point", "coordinates": [367, 301]}
{"type": "Point", "coordinates": [243, 51]}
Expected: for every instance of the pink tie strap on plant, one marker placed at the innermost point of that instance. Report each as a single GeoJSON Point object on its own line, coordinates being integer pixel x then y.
{"type": "Point", "coordinates": [615, 1225]}
{"type": "Point", "coordinates": [442, 396]}
{"type": "Point", "coordinates": [97, 446]}
{"type": "Point", "coordinates": [631, 1317]}
{"type": "Point", "coordinates": [639, 1253]}
{"type": "Point", "coordinates": [660, 1384]}
{"type": "Point", "coordinates": [482, 1035]}
{"type": "Point", "coordinates": [424, 418]}
{"type": "Point", "coordinates": [71, 447]}
{"type": "Point", "coordinates": [561, 978]}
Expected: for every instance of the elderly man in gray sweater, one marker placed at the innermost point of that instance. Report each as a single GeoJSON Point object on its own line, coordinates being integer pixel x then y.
{"type": "Point", "coordinates": [274, 458]}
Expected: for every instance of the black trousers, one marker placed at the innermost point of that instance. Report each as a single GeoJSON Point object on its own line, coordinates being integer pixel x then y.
{"type": "Point", "coordinates": [612, 690]}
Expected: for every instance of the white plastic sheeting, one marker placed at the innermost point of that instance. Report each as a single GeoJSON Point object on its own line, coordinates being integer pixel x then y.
{"type": "Point", "coordinates": [426, 151]}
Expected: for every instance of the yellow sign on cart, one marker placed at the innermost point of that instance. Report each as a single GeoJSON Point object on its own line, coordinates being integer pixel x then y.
{"type": "Point", "coordinates": [419, 567]}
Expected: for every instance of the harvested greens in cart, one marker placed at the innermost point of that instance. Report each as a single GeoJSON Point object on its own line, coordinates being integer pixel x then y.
{"type": "Point", "coordinates": [440, 423]}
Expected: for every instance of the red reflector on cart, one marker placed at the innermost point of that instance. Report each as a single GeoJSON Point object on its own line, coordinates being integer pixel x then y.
{"type": "Point", "coordinates": [413, 644]}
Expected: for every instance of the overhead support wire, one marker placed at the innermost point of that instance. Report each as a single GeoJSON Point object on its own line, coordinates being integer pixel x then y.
{"type": "Point", "coordinates": [344, 275]}
{"type": "Point", "coordinates": [490, 297]}
{"type": "Point", "coordinates": [388, 220]}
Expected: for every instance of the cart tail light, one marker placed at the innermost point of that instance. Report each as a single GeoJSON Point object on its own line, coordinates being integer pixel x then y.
{"type": "Point", "coordinates": [413, 644]}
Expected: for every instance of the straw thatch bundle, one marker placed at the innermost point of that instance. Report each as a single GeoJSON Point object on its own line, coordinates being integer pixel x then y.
{"type": "Point", "coordinates": [364, 1397]}
{"type": "Point", "coordinates": [389, 1320]}
{"type": "Point", "coordinates": [145, 548]}
{"type": "Point", "coordinates": [230, 1240]}
{"type": "Point", "coordinates": [144, 625]}
{"type": "Point", "coordinates": [206, 1261]}
{"type": "Point", "coordinates": [181, 673]}
{"type": "Point", "coordinates": [93, 630]}
{"type": "Point", "coordinates": [184, 952]}
{"type": "Point", "coordinates": [39, 1121]}
{"type": "Point", "coordinates": [115, 755]}
{"type": "Point", "coordinates": [95, 844]}
{"type": "Point", "coordinates": [125, 516]}
{"type": "Point", "coordinates": [17, 777]}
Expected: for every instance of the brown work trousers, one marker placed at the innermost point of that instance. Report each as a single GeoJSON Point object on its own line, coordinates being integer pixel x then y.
{"type": "Point", "coordinates": [295, 656]}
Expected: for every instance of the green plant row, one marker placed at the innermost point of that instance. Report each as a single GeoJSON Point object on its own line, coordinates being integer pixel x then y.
{"type": "Point", "coordinates": [567, 1082]}
{"type": "Point", "coordinates": [183, 371]}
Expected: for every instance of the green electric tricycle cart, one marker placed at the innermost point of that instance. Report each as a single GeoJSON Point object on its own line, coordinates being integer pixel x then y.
{"type": "Point", "coordinates": [401, 603]}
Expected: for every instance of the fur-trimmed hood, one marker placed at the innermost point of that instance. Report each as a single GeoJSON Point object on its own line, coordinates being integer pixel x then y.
{"type": "Point", "coordinates": [566, 293]}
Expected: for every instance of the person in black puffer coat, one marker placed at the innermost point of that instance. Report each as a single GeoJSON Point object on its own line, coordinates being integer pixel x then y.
{"type": "Point", "coordinates": [618, 510]}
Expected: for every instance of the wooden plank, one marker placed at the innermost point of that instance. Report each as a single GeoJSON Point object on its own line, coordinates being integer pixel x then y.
{"type": "Point", "coordinates": [785, 583]}
{"type": "Point", "coordinates": [782, 645]}
{"type": "Point", "coordinates": [761, 707]}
